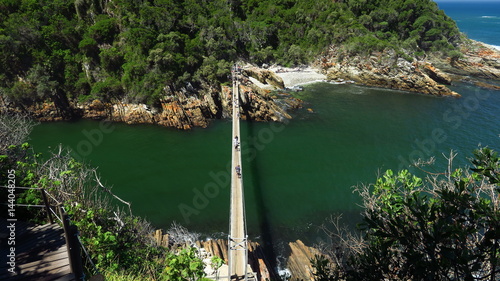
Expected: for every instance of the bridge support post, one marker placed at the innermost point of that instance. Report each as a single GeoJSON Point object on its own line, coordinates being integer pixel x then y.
{"type": "Point", "coordinates": [47, 206]}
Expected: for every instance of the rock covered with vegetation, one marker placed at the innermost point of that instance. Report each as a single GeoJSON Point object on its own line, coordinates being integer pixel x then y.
{"type": "Point", "coordinates": [168, 59]}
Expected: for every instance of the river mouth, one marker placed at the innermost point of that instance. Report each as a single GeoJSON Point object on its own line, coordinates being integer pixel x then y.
{"type": "Point", "coordinates": [297, 173]}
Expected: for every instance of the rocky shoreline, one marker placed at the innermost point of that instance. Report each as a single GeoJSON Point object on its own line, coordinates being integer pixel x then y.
{"type": "Point", "coordinates": [297, 265]}
{"type": "Point", "coordinates": [188, 108]}
{"type": "Point", "coordinates": [183, 109]}
{"type": "Point", "coordinates": [428, 76]}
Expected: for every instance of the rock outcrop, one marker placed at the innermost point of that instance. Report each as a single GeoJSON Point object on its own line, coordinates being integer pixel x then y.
{"type": "Point", "coordinates": [386, 70]}
{"type": "Point", "coordinates": [178, 109]}
{"type": "Point", "coordinates": [430, 76]}
{"type": "Point", "coordinates": [479, 60]}
{"type": "Point", "coordinates": [265, 76]}
{"type": "Point", "coordinates": [297, 263]}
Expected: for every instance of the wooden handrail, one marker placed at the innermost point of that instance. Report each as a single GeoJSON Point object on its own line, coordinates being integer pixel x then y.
{"type": "Point", "coordinates": [72, 244]}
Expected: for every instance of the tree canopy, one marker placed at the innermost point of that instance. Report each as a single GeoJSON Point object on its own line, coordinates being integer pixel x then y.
{"type": "Point", "coordinates": [67, 50]}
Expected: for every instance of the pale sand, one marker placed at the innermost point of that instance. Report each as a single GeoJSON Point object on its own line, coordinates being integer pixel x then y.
{"type": "Point", "coordinates": [292, 77]}
{"type": "Point", "coordinates": [295, 76]}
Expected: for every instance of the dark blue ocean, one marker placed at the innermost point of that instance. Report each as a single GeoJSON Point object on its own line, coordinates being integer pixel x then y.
{"type": "Point", "coordinates": [480, 20]}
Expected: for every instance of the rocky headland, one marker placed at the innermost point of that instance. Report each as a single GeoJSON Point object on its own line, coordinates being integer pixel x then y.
{"type": "Point", "coordinates": [388, 71]}
{"type": "Point", "coordinates": [182, 109]}
{"type": "Point", "coordinates": [188, 107]}
{"type": "Point", "coordinates": [429, 75]}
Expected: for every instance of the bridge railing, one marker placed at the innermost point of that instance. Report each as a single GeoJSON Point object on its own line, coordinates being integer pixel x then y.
{"type": "Point", "coordinates": [239, 243]}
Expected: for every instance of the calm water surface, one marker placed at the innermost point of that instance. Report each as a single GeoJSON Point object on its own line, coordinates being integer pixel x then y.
{"type": "Point", "coordinates": [296, 174]}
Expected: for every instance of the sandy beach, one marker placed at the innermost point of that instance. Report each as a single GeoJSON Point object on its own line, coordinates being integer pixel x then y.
{"type": "Point", "coordinates": [292, 76]}
{"type": "Point", "coordinates": [298, 76]}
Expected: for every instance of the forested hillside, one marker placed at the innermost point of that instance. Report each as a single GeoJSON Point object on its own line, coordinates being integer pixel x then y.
{"type": "Point", "coordinates": [134, 50]}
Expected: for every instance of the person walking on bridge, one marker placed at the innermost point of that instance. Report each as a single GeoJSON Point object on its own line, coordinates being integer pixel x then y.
{"type": "Point", "coordinates": [238, 171]}
{"type": "Point", "coordinates": [236, 143]}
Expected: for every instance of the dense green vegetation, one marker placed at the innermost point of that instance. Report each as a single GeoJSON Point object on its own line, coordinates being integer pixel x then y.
{"type": "Point", "coordinates": [73, 50]}
{"type": "Point", "coordinates": [444, 227]}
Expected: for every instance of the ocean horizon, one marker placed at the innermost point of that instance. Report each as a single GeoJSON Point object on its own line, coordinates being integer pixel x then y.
{"type": "Point", "coordinates": [479, 20]}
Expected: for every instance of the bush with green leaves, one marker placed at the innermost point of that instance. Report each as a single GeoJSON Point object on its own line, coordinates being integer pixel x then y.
{"type": "Point", "coordinates": [117, 241]}
{"type": "Point", "coordinates": [443, 227]}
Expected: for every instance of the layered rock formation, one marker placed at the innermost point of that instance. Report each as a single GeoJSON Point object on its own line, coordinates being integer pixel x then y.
{"type": "Point", "coordinates": [183, 111]}
{"type": "Point", "coordinates": [430, 76]}
{"type": "Point", "coordinates": [479, 60]}
{"type": "Point", "coordinates": [265, 76]}
{"type": "Point", "coordinates": [386, 70]}
{"type": "Point", "coordinates": [178, 109]}
{"type": "Point", "coordinates": [299, 261]}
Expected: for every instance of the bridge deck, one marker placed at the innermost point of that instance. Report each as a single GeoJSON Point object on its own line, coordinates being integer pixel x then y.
{"type": "Point", "coordinates": [238, 250]}
{"type": "Point", "coordinates": [40, 252]}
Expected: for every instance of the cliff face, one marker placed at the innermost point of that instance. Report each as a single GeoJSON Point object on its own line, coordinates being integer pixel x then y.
{"type": "Point", "coordinates": [180, 109]}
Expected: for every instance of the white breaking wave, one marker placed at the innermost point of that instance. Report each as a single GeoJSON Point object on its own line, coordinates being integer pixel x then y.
{"type": "Point", "coordinates": [489, 17]}
{"type": "Point", "coordinates": [496, 47]}
{"type": "Point", "coordinates": [491, 46]}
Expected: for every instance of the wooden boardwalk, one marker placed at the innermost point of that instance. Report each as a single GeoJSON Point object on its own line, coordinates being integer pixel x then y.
{"type": "Point", "coordinates": [40, 251]}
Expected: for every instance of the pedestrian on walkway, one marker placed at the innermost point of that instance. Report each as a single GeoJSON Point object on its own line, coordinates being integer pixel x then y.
{"type": "Point", "coordinates": [236, 143]}
{"type": "Point", "coordinates": [238, 171]}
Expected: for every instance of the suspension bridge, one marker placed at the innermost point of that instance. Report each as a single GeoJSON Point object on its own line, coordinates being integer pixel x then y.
{"type": "Point", "coordinates": [62, 262]}
{"type": "Point", "coordinates": [238, 241]}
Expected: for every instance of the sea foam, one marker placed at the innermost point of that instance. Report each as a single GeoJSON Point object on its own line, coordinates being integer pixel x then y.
{"type": "Point", "coordinates": [496, 47]}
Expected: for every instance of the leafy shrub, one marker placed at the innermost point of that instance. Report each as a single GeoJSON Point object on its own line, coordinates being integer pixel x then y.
{"type": "Point", "coordinates": [441, 228]}
{"type": "Point", "coordinates": [118, 243]}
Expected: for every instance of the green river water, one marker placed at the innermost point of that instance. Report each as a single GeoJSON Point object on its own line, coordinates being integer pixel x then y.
{"type": "Point", "coordinates": [296, 174]}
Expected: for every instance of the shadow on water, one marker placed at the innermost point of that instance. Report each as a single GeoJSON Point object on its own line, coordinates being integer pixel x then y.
{"type": "Point", "coordinates": [261, 208]}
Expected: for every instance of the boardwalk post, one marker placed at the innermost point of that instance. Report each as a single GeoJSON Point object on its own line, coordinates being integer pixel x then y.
{"type": "Point", "coordinates": [70, 234]}
{"type": "Point", "coordinates": [47, 207]}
